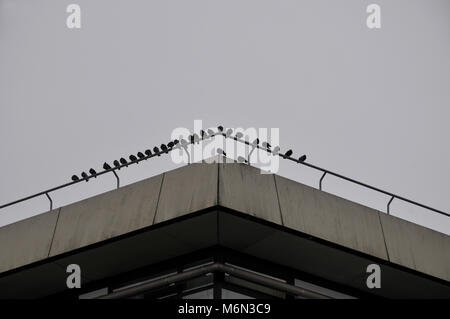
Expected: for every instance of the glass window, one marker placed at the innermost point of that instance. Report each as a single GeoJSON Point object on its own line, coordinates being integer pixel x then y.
{"type": "Point", "coordinates": [255, 287]}
{"type": "Point", "coordinates": [94, 294]}
{"type": "Point", "coordinates": [205, 294]}
{"type": "Point", "coordinates": [228, 294]}
{"type": "Point", "coordinates": [321, 290]}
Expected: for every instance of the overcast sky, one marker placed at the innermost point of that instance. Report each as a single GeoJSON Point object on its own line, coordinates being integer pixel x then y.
{"type": "Point", "coordinates": [373, 105]}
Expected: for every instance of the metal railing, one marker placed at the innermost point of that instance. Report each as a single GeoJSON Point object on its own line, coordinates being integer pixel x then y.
{"type": "Point", "coordinates": [213, 268]}
{"type": "Point", "coordinates": [254, 146]}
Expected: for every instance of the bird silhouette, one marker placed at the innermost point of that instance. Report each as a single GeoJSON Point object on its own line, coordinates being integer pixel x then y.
{"type": "Point", "coordinates": [140, 155]}
{"type": "Point", "coordinates": [241, 159]}
{"type": "Point", "coordinates": [84, 175]}
{"type": "Point", "coordinates": [203, 134]}
{"type": "Point", "coordinates": [133, 158]}
{"type": "Point", "coordinates": [220, 128]}
{"type": "Point", "coordinates": [123, 161]}
{"type": "Point", "coordinates": [170, 144]}
{"type": "Point", "coordinates": [164, 148]}
{"type": "Point", "coordinates": [302, 158]}
{"type": "Point", "coordinates": [156, 150]}
{"type": "Point", "coordinates": [148, 152]}
{"type": "Point", "coordinates": [221, 151]}
{"type": "Point", "coordinates": [75, 178]}
{"type": "Point", "coordinates": [288, 153]}
{"type": "Point", "coordinates": [106, 166]}
{"type": "Point", "coordinates": [229, 132]}
{"type": "Point", "coordinates": [175, 142]}
{"type": "Point", "coordinates": [276, 149]}
{"type": "Point", "coordinates": [265, 145]}
{"type": "Point", "coordinates": [256, 142]}
{"type": "Point", "coordinates": [196, 138]}
{"type": "Point", "coordinates": [116, 164]}
{"type": "Point", "coordinates": [93, 172]}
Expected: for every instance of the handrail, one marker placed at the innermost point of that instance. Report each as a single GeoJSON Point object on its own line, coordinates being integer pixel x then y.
{"type": "Point", "coordinates": [113, 169]}
{"type": "Point", "coordinates": [212, 268]}
{"type": "Point", "coordinates": [234, 138]}
{"type": "Point", "coordinates": [325, 171]}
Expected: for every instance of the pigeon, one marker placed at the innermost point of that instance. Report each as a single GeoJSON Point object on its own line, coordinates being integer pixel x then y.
{"type": "Point", "coordinates": [229, 132]}
{"type": "Point", "coordinates": [276, 149]}
{"type": "Point", "coordinates": [191, 139]}
{"type": "Point", "coordinates": [123, 161]}
{"type": "Point", "coordinates": [148, 152]}
{"type": "Point", "coordinates": [84, 175]}
{"type": "Point", "coordinates": [196, 138]}
{"type": "Point", "coordinates": [256, 142]}
{"type": "Point", "coordinates": [75, 178]}
{"type": "Point", "coordinates": [106, 166]}
{"type": "Point", "coordinates": [302, 158]}
{"type": "Point", "coordinates": [132, 158]}
{"type": "Point", "coordinates": [164, 148]}
{"type": "Point", "coordinates": [175, 142]}
{"type": "Point", "coordinates": [221, 151]}
{"type": "Point", "coordinates": [140, 155]}
{"type": "Point", "coordinates": [171, 144]}
{"type": "Point", "coordinates": [93, 172]}
{"type": "Point", "coordinates": [241, 159]}
{"type": "Point", "coordinates": [116, 164]}
{"type": "Point", "coordinates": [288, 153]}
{"type": "Point", "coordinates": [203, 134]}
{"type": "Point", "coordinates": [156, 150]}
{"type": "Point", "coordinates": [220, 128]}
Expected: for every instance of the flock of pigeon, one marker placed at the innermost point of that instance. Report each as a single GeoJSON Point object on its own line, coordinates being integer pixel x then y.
{"type": "Point", "coordinates": [194, 138]}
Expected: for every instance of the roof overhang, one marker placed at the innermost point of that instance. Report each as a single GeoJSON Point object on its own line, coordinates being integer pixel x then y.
{"type": "Point", "coordinates": [226, 228]}
{"type": "Point", "coordinates": [231, 205]}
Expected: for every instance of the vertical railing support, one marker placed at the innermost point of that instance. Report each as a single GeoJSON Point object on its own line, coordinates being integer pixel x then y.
{"type": "Point", "coordinates": [389, 204]}
{"type": "Point", "coordinates": [117, 178]}
{"type": "Point", "coordinates": [187, 153]}
{"type": "Point", "coordinates": [51, 202]}
{"type": "Point", "coordinates": [183, 144]}
{"type": "Point", "coordinates": [250, 154]}
{"type": "Point", "coordinates": [321, 179]}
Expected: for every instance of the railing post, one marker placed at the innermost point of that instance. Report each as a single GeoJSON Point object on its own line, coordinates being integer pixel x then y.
{"type": "Point", "coordinates": [51, 202]}
{"type": "Point", "coordinates": [321, 179]}
{"type": "Point", "coordinates": [389, 204]}
{"type": "Point", "coordinates": [254, 146]}
{"type": "Point", "coordinates": [187, 153]}
{"type": "Point", "coordinates": [117, 178]}
{"type": "Point", "coordinates": [250, 154]}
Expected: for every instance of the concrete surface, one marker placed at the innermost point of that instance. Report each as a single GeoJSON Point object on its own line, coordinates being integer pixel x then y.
{"type": "Point", "coordinates": [329, 217]}
{"type": "Point", "coordinates": [107, 215]}
{"type": "Point", "coordinates": [245, 189]}
{"type": "Point", "coordinates": [239, 187]}
{"type": "Point", "coordinates": [417, 247]}
{"type": "Point", "coordinates": [316, 258]}
{"type": "Point", "coordinates": [237, 231]}
{"type": "Point", "coordinates": [27, 241]}
{"type": "Point", "coordinates": [186, 190]}
{"type": "Point", "coordinates": [145, 248]}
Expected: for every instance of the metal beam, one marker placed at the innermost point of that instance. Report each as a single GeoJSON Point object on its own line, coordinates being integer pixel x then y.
{"type": "Point", "coordinates": [212, 268]}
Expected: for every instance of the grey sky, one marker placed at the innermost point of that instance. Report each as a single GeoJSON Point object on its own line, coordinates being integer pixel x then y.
{"type": "Point", "coordinates": [371, 104]}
